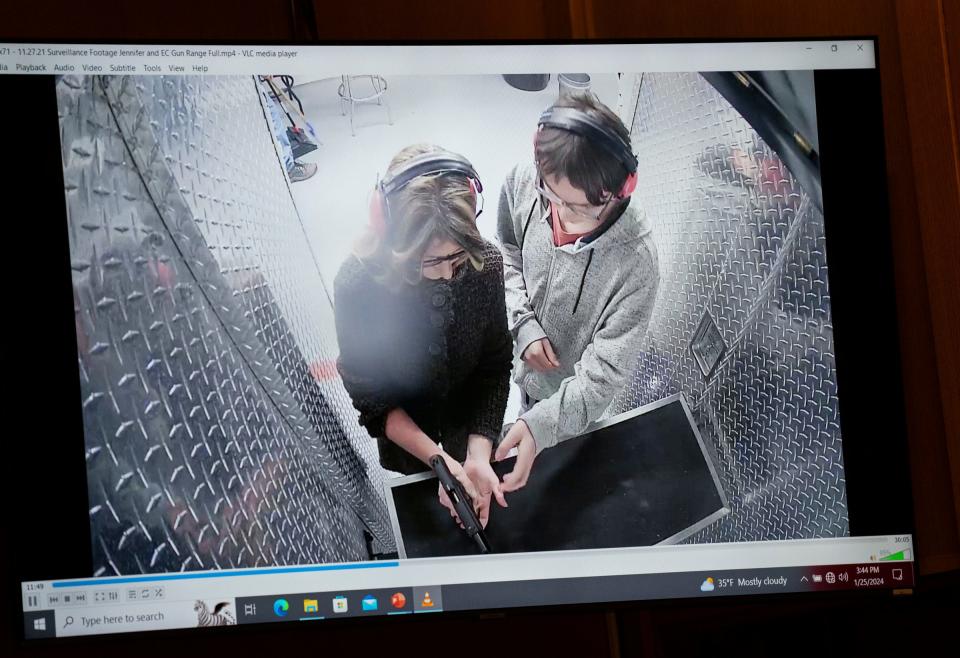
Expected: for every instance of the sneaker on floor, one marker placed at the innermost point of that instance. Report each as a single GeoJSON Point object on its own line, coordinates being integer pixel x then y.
{"type": "Point", "coordinates": [301, 171]}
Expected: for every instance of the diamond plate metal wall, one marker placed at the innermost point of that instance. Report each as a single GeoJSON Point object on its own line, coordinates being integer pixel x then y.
{"type": "Point", "coordinates": [199, 308]}
{"type": "Point", "coordinates": [739, 239]}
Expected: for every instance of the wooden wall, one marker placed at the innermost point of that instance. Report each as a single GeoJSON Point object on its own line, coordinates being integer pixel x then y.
{"type": "Point", "coordinates": [920, 65]}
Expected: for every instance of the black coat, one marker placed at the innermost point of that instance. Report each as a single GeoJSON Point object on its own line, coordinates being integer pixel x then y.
{"type": "Point", "coordinates": [440, 350]}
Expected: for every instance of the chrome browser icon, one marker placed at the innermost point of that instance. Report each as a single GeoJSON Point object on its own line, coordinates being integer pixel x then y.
{"type": "Point", "coordinates": [280, 607]}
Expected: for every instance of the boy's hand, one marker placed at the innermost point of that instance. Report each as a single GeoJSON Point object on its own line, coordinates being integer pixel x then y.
{"type": "Point", "coordinates": [519, 436]}
{"type": "Point", "coordinates": [540, 355]}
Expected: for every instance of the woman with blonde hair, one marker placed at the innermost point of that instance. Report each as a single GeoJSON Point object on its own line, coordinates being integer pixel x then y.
{"type": "Point", "coordinates": [421, 321]}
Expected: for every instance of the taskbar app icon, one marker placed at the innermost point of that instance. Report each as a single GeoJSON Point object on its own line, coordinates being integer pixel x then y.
{"type": "Point", "coordinates": [326, 605]}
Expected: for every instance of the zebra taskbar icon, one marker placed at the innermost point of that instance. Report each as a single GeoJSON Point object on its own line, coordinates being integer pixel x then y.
{"type": "Point", "coordinates": [214, 613]}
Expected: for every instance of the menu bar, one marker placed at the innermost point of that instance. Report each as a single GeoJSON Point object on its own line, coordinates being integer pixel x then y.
{"type": "Point", "coordinates": [325, 61]}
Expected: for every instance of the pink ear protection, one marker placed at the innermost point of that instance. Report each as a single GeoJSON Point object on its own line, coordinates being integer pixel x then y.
{"type": "Point", "coordinates": [377, 222]}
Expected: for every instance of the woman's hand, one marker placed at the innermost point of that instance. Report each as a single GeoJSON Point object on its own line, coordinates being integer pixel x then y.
{"type": "Point", "coordinates": [401, 429]}
{"type": "Point", "coordinates": [480, 472]}
{"type": "Point", "coordinates": [457, 471]}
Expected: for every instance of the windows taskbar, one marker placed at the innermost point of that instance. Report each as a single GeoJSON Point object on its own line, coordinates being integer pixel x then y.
{"type": "Point", "coordinates": [319, 606]}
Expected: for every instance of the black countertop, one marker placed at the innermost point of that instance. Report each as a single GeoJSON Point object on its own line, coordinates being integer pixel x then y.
{"type": "Point", "coordinates": [635, 482]}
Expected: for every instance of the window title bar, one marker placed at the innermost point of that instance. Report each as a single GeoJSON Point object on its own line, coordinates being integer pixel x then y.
{"type": "Point", "coordinates": [323, 61]}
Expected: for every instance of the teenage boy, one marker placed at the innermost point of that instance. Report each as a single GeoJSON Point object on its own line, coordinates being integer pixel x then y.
{"type": "Point", "coordinates": [581, 275]}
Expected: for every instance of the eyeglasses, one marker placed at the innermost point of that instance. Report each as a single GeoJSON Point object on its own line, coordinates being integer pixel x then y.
{"type": "Point", "coordinates": [456, 260]}
{"type": "Point", "coordinates": [585, 210]}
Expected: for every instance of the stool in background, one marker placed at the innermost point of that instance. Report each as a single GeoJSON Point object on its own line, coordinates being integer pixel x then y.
{"type": "Point", "coordinates": [348, 99]}
{"type": "Point", "coordinates": [571, 84]}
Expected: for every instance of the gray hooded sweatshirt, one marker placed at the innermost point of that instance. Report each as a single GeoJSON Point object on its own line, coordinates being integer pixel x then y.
{"type": "Point", "coordinates": [592, 299]}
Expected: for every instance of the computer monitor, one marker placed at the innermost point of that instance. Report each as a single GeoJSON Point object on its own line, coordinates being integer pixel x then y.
{"type": "Point", "coordinates": [636, 296]}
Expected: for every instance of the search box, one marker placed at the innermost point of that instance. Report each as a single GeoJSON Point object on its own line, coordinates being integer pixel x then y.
{"type": "Point", "coordinates": [139, 617]}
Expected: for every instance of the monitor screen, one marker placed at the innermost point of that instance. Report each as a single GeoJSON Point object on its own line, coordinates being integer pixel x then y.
{"type": "Point", "coordinates": [328, 332]}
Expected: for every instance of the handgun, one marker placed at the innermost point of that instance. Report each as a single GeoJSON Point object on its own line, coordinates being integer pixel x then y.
{"type": "Point", "coordinates": [461, 502]}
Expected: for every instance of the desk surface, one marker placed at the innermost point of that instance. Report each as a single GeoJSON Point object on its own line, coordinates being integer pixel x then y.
{"type": "Point", "coordinates": [640, 480]}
